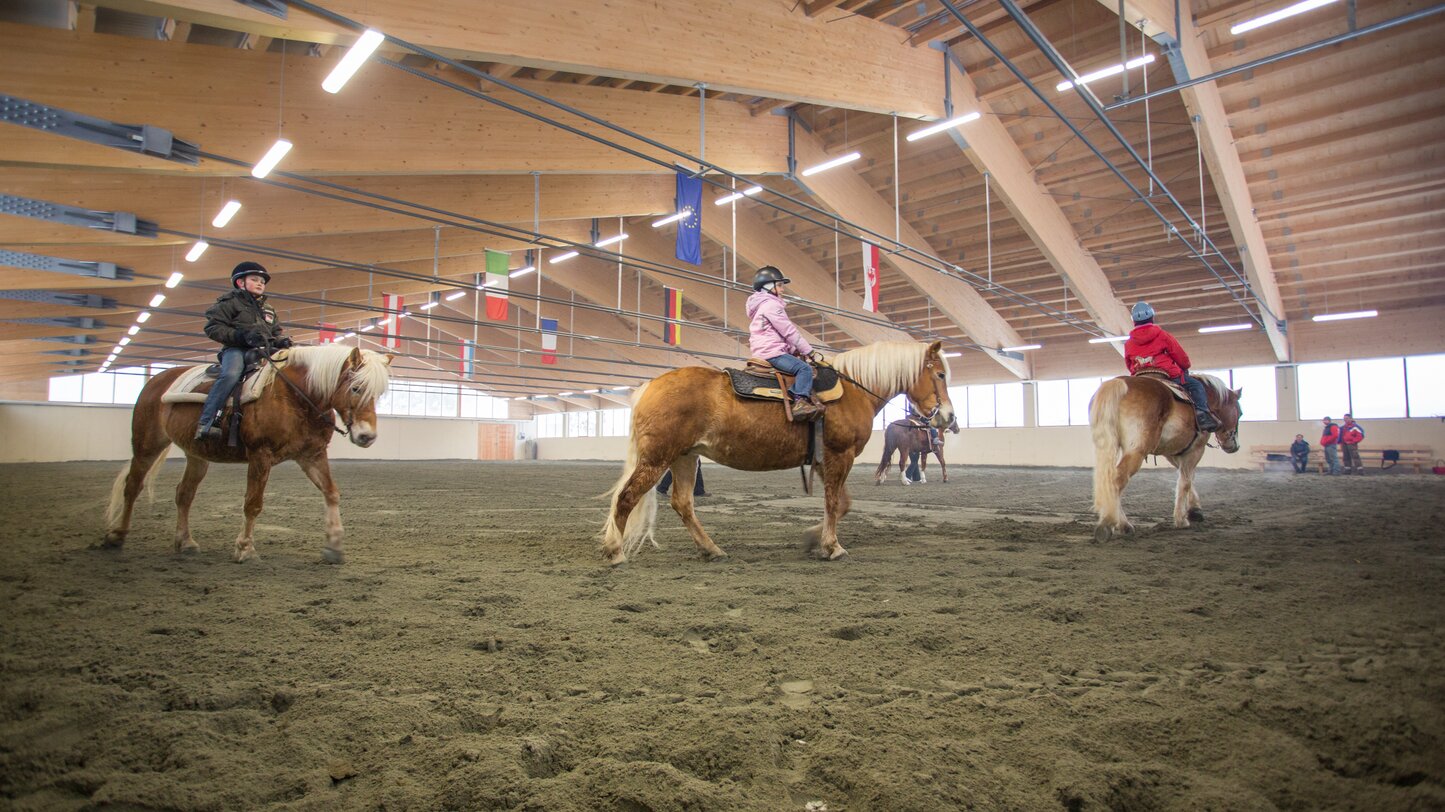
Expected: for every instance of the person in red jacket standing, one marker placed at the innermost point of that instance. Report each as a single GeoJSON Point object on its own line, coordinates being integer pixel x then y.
{"type": "Point", "coordinates": [1152, 347]}
{"type": "Point", "coordinates": [1350, 436]}
{"type": "Point", "coordinates": [1330, 442]}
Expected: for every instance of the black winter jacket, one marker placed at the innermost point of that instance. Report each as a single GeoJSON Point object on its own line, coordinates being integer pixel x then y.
{"type": "Point", "coordinates": [238, 312]}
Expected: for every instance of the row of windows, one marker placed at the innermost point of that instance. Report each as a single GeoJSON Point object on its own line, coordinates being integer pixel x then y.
{"type": "Point", "coordinates": [1380, 387]}
{"type": "Point", "coordinates": [1066, 403]}
{"type": "Point", "coordinates": [590, 423]}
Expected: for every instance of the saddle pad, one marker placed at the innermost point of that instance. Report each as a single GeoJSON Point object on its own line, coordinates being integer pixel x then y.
{"type": "Point", "coordinates": [826, 385]}
{"type": "Point", "coordinates": [183, 389]}
{"type": "Point", "coordinates": [1179, 392]}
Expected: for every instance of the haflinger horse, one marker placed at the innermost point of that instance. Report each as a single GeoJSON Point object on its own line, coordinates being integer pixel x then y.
{"type": "Point", "coordinates": [294, 419]}
{"type": "Point", "coordinates": [692, 412]}
{"type": "Point", "coordinates": [1132, 417]}
{"type": "Point", "coordinates": [913, 443]}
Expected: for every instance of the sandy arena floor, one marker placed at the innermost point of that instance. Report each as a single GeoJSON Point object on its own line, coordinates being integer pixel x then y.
{"type": "Point", "coordinates": [976, 650]}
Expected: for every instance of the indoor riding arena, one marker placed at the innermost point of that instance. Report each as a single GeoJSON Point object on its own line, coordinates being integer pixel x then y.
{"type": "Point", "coordinates": [1154, 294]}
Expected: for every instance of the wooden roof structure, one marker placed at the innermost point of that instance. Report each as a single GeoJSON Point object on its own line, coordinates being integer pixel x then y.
{"type": "Point", "coordinates": [1315, 181]}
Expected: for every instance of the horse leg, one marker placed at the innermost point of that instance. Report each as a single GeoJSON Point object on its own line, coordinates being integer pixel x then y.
{"type": "Point", "coordinates": [882, 473]}
{"type": "Point", "coordinates": [903, 464]}
{"type": "Point", "coordinates": [318, 470]}
{"type": "Point", "coordinates": [923, 467]}
{"type": "Point", "coordinates": [684, 475]}
{"type": "Point", "coordinates": [1113, 520]}
{"type": "Point", "coordinates": [836, 502]}
{"type": "Point", "coordinates": [1186, 502]}
{"type": "Point", "coordinates": [186, 494]}
{"type": "Point", "coordinates": [942, 464]}
{"type": "Point", "coordinates": [256, 475]}
{"type": "Point", "coordinates": [148, 452]}
{"type": "Point", "coordinates": [634, 492]}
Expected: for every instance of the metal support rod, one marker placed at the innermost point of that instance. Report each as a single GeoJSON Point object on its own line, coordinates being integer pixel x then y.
{"type": "Point", "coordinates": [1303, 49]}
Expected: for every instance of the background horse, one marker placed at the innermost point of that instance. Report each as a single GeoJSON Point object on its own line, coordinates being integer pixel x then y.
{"type": "Point", "coordinates": [293, 419]}
{"type": "Point", "coordinates": [692, 411]}
{"type": "Point", "coordinates": [1132, 417]}
{"type": "Point", "coordinates": [913, 444]}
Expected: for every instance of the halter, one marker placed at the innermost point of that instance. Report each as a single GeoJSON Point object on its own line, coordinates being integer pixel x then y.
{"type": "Point", "coordinates": [320, 412]}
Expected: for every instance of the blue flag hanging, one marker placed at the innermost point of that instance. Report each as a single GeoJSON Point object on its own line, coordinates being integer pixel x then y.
{"type": "Point", "coordinates": [689, 228]}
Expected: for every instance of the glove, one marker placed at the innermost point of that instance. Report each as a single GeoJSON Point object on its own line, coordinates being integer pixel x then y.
{"type": "Point", "coordinates": [283, 343]}
{"type": "Point", "coordinates": [254, 338]}
{"type": "Point", "coordinates": [816, 357]}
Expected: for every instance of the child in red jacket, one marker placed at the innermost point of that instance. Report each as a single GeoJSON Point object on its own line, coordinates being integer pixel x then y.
{"type": "Point", "coordinates": [1152, 347]}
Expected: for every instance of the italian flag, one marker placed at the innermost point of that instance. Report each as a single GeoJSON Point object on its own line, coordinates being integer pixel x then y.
{"type": "Point", "coordinates": [496, 284]}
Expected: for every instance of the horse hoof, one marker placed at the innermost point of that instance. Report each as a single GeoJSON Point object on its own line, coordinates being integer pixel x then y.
{"type": "Point", "coordinates": [717, 556]}
{"type": "Point", "coordinates": [1196, 515]}
{"type": "Point", "coordinates": [1102, 534]}
{"type": "Point", "coordinates": [242, 556]}
{"type": "Point", "coordinates": [838, 553]}
{"type": "Point", "coordinates": [187, 547]}
{"type": "Point", "coordinates": [113, 540]}
{"type": "Point", "coordinates": [330, 556]}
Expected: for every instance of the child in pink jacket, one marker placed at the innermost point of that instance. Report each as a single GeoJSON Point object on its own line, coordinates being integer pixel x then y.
{"type": "Point", "coordinates": [774, 338]}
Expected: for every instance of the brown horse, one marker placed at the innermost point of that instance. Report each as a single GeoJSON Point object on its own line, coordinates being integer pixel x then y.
{"type": "Point", "coordinates": [909, 439]}
{"type": "Point", "coordinates": [693, 412]}
{"type": "Point", "coordinates": [294, 419]}
{"type": "Point", "coordinates": [1132, 417]}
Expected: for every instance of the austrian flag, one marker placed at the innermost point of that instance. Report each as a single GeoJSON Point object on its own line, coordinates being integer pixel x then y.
{"type": "Point", "coordinates": [870, 277]}
{"type": "Point", "coordinates": [391, 322]}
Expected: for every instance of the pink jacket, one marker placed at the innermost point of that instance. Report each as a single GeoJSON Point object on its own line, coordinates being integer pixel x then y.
{"type": "Point", "coordinates": [772, 333]}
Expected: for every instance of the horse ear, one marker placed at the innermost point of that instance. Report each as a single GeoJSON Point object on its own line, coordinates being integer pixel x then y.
{"type": "Point", "coordinates": [386, 359]}
{"type": "Point", "coordinates": [1239, 393]}
{"type": "Point", "coordinates": [354, 359]}
{"type": "Point", "coordinates": [935, 348]}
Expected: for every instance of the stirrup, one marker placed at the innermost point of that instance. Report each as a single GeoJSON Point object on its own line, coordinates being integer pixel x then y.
{"type": "Point", "coordinates": [1206, 421]}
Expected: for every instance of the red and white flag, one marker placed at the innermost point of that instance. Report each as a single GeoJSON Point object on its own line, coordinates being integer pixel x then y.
{"type": "Point", "coordinates": [870, 277]}
{"type": "Point", "coordinates": [391, 322]}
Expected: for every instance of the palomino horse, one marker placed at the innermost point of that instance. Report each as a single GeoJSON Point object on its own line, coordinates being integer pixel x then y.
{"type": "Point", "coordinates": [1132, 417]}
{"type": "Point", "coordinates": [293, 419]}
{"type": "Point", "coordinates": [692, 412]}
{"type": "Point", "coordinates": [913, 443]}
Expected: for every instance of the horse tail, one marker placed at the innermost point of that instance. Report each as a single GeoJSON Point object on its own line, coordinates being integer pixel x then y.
{"type": "Point", "coordinates": [1104, 424]}
{"type": "Point", "coordinates": [117, 489]}
{"type": "Point", "coordinates": [641, 522]}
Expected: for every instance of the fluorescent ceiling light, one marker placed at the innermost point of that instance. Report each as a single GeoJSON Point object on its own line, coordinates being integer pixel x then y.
{"type": "Point", "coordinates": [589, 391]}
{"type": "Point", "coordinates": [116, 350]}
{"type": "Point", "coordinates": [1358, 314]}
{"type": "Point", "coordinates": [563, 394]}
{"type": "Point", "coordinates": [227, 212]}
{"type": "Point", "coordinates": [175, 279]}
{"type": "Point", "coordinates": [621, 388]}
{"type": "Point", "coordinates": [368, 328]}
{"type": "Point", "coordinates": [124, 340]}
{"type": "Point", "coordinates": [350, 334]}
{"type": "Point", "coordinates": [1276, 16]}
{"type": "Point", "coordinates": [944, 125]}
{"type": "Point", "coordinates": [671, 218]}
{"type": "Point", "coordinates": [403, 314]}
{"type": "Point", "coordinates": [143, 317]}
{"type": "Point", "coordinates": [609, 241]}
{"type": "Point", "coordinates": [1112, 70]}
{"type": "Point", "coordinates": [429, 305]}
{"type": "Point", "coordinates": [521, 271]}
{"type": "Point", "coordinates": [455, 295]}
{"type": "Point", "coordinates": [157, 299]}
{"type": "Point", "coordinates": [196, 250]}
{"type": "Point", "coordinates": [826, 165]}
{"type": "Point", "coordinates": [351, 63]}
{"type": "Point", "coordinates": [739, 195]}
{"type": "Point", "coordinates": [110, 358]}
{"type": "Point", "coordinates": [1108, 339]}
{"type": "Point", "coordinates": [272, 157]}
{"type": "Point", "coordinates": [562, 257]}
{"type": "Point", "coordinates": [952, 354]}
{"type": "Point", "coordinates": [134, 328]}
{"type": "Point", "coordinates": [385, 321]}
{"type": "Point", "coordinates": [1021, 348]}
{"type": "Point", "coordinates": [1226, 328]}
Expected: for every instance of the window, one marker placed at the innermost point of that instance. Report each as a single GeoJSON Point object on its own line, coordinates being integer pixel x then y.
{"type": "Point", "coordinates": [616, 422]}
{"type": "Point", "coordinates": [99, 387]}
{"type": "Point", "coordinates": [582, 424]}
{"type": "Point", "coordinates": [549, 425]}
{"type": "Point", "coordinates": [128, 383]}
{"type": "Point", "coordinates": [1052, 402]}
{"type": "Point", "coordinates": [1008, 404]}
{"type": "Point", "coordinates": [1323, 390]}
{"type": "Point", "coordinates": [1426, 391]}
{"type": "Point", "coordinates": [980, 406]}
{"type": "Point", "coordinates": [66, 388]}
{"type": "Point", "coordinates": [892, 410]}
{"type": "Point", "coordinates": [1377, 388]}
{"type": "Point", "coordinates": [1081, 391]}
{"type": "Point", "coordinates": [1261, 397]}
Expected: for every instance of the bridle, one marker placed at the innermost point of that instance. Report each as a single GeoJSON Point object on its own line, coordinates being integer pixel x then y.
{"type": "Point", "coordinates": [322, 413]}
{"type": "Point", "coordinates": [937, 396]}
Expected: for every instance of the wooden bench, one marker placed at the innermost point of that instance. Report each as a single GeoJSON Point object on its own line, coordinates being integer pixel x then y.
{"type": "Point", "coordinates": [1417, 457]}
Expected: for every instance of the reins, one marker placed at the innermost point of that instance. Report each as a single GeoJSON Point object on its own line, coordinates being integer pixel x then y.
{"type": "Point", "coordinates": [319, 412]}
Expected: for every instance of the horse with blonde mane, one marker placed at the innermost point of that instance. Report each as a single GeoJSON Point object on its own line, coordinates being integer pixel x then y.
{"type": "Point", "coordinates": [1134, 416]}
{"type": "Point", "coordinates": [293, 419]}
{"type": "Point", "coordinates": [692, 412]}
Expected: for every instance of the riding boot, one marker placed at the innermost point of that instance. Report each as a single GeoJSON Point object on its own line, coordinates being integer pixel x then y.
{"type": "Point", "coordinates": [805, 409]}
{"type": "Point", "coordinates": [1207, 421]}
{"type": "Point", "coordinates": [207, 428]}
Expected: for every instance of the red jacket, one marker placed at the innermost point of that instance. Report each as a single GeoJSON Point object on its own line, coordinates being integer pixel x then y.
{"type": "Point", "coordinates": [1351, 434]}
{"type": "Point", "coordinates": [1331, 435]}
{"type": "Point", "coordinates": [1150, 345]}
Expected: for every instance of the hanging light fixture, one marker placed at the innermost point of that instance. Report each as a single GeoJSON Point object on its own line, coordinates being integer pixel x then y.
{"type": "Point", "coordinates": [157, 299]}
{"type": "Point", "coordinates": [836, 162]}
{"type": "Point", "coordinates": [272, 157]}
{"type": "Point", "coordinates": [1104, 73]}
{"type": "Point", "coordinates": [944, 125]}
{"type": "Point", "coordinates": [672, 218]}
{"type": "Point", "coordinates": [196, 250]}
{"type": "Point", "coordinates": [357, 55]}
{"type": "Point", "coordinates": [175, 279]}
{"type": "Point", "coordinates": [1226, 328]}
{"type": "Point", "coordinates": [1276, 16]}
{"type": "Point", "coordinates": [738, 195]}
{"type": "Point", "coordinates": [1108, 339]}
{"type": "Point", "coordinates": [227, 212]}
{"type": "Point", "coordinates": [1358, 314]}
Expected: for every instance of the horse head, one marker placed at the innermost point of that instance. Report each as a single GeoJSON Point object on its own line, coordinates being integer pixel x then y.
{"type": "Point", "coordinates": [362, 379]}
{"type": "Point", "coordinates": [929, 391]}
{"type": "Point", "coordinates": [1229, 413]}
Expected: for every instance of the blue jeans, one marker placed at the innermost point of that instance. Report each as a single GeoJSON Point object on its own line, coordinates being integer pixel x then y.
{"type": "Point", "coordinates": [1195, 387]}
{"type": "Point", "coordinates": [1332, 458]}
{"type": "Point", "coordinates": [233, 361]}
{"type": "Point", "coordinates": [793, 365]}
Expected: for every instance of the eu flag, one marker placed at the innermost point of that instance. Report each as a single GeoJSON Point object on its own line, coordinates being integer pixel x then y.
{"type": "Point", "coordinates": [689, 228]}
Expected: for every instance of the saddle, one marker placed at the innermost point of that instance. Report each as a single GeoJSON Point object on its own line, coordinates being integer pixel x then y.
{"type": "Point", "coordinates": [761, 381]}
{"type": "Point", "coordinates": [194, 383]}
{"type": "Point", "coordinates": [1179, 392]}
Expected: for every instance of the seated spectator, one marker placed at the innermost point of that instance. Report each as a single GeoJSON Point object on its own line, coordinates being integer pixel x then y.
{"type": "Point", "coordinates": [1299, 454]}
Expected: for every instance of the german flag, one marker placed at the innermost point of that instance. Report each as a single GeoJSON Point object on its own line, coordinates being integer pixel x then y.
{"type": "Point", "coordinates": [672, 309]}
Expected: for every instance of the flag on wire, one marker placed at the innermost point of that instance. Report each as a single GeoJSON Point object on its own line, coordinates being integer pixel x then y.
{"type": "Point", "coordinates": [672, 309]}
{"type": "Point", "coordinates": [496, 285]}
{"type": "Point", "coordinates": [549, 341]}
{"type": "Point", "coordinates": [391, 338]}
{"type": "Point", "coordinates": [328, 333]}
{"type": "Point", "coordinates": [870, 277]}
{"type": "Point", "coordinates": [468, 357]}
{"type": "Point", "coordinates": [689, 228]}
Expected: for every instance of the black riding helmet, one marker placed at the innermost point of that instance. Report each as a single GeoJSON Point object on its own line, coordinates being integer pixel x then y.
{"type": "Point", "coordinates": [767, 274]}
{"type": "Point", "coordinates": [249, 268]}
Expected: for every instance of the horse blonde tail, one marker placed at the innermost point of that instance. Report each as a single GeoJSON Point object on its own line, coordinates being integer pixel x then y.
{"type": "Point", "coordinates": [117, 490]}
{"type": "Point", "coordinates": [622, 542]}
{"type": "Point", "coordinates": [1104, 424]}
